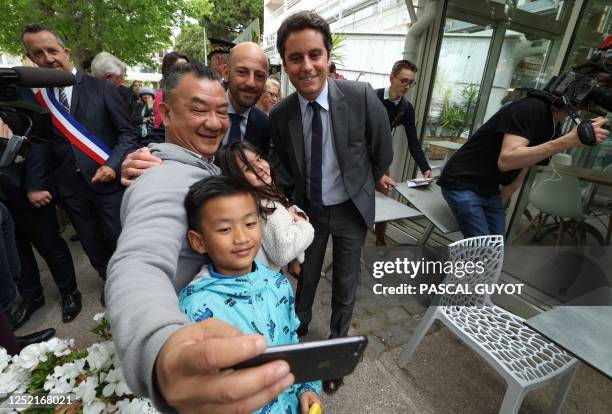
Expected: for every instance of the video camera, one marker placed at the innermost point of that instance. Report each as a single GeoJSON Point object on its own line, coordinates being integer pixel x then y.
{"type": "Point", "coordinates": [29, 122]}
{"type": "Point", "coordinates": [584, 87]}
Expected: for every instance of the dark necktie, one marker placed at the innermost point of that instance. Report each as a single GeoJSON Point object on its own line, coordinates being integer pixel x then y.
{"type": "Point", "coordinates": [63, 99]}
{"type": "Point", "coordinates": [235, 133]}
{"type": "Point", "coordinates": [316, 161]}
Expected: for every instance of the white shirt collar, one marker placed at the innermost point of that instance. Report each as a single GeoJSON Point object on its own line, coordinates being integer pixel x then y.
{"type": "Point", "coordinates": [321, 99]}
{"type": "Point", "coordinates": [386, 96]}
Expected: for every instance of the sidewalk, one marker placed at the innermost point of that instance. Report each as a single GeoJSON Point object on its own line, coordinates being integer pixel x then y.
{"type": "Point", "coordinates": [443, 376]}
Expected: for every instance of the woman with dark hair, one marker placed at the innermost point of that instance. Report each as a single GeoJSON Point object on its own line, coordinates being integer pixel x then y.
{"type": "Point", "coordinates": [286, 232]}
{"type": "Point", "coordinates": [136, 87]}
{"type": "Point", "coordinates": [169, 61]}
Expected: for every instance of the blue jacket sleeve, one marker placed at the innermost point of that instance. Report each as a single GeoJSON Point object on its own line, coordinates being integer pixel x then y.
{"type": "Point", "coordinates": [413, 143]}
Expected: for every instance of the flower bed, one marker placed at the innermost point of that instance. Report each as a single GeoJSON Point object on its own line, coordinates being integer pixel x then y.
{"type": "Point", "coordinates": [55, 369]}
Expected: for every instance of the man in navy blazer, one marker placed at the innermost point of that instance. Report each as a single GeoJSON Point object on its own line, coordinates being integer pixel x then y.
{"type": "Point", "coordinates": [91, 193]}
{"type": "Point", "coordinates": [247, 71]}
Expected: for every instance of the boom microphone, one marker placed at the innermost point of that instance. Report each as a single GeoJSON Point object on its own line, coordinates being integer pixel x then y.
{"type": "Point", "coordinates": [32, 77]}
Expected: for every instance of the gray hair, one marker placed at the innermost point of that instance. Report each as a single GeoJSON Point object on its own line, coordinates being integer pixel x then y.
{"type": "Point", "coordinates": [106, 64]}
{"type": "Point", "coordinates": [273, 81]}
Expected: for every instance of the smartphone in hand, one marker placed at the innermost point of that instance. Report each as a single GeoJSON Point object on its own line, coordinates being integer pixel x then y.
{"type": "Point", "coordinates": [317, 360]}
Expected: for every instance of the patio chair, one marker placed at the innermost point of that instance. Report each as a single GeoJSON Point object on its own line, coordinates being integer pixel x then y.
{"type": "Point", "coordinates": [525, 359]}
{"type": "Point", "coordinates": [600, 203]}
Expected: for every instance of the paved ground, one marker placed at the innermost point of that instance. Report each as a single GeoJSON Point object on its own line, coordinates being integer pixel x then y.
{"type": "Point", "coordinates": [443, 376]}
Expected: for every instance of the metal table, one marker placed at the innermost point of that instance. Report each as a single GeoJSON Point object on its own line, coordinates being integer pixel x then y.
{"type": "Point", "coordinates": [583, 327]}
{"type": "Point", "coordinates": [388, 209]}
{"type": "Point", "coordinates": [429, 201]}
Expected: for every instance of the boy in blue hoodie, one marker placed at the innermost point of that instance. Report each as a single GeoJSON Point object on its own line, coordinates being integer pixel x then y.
{"type": "Point", "coordinates": [223, 222]}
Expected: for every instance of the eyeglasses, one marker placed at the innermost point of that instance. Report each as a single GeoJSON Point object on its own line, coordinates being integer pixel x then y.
{"type": "Point", "coordinates": [272, 94]}
{"type": "Point", "coordinates": [408, 82]}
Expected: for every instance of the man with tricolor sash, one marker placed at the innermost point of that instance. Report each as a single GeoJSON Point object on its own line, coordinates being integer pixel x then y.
{"type": "Point", "coordinates": [91, 137]}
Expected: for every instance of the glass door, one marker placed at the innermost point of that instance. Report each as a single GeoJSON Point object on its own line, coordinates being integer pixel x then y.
{"type": "Point", "coordinates": [461, 64]}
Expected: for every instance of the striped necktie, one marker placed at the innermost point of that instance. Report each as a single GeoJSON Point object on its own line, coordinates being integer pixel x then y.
{"type": "Point", "coordinates": [63, 99]}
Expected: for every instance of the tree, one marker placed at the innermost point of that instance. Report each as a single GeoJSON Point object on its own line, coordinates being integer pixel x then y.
{"type": "Point", "coordinates": [191, 41]}
{"type": "Point", "coordinates": [132, 30]}
{"type": "Point", "coordinates": [230, 17]}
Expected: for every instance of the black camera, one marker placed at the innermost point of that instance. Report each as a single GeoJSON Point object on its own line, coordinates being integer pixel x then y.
{"type": "Point", "coordinates": [586, 86]}
{"type": "Point", "coordinates": [29, 122]}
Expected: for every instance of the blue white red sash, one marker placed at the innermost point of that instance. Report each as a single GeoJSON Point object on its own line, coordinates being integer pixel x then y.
{"type": "Point", "coordinates": [71, 128]}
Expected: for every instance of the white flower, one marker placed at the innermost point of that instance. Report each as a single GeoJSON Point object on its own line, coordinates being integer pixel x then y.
{"type": "Point", "coordinates": [94, 407]}
{"type": "Point", "coordinates": [116, 384]}
{"type": "Point", "coordinates": [63, 378]}
{"type": "Point", "coordinates": [136, 406]}
{"type": "Point", "coordinates": [86, 390]}
{"type": "Point", "coordinates": [5, 358]}
{"type": "Point", "coordinates": [59, 347]}
{"type": "Point", "coordinates": [15, 379]}
{"type": "Point", "coordinates": [99, 316]}
{"type": "Point", "coordinates": [100, 355]}
{"type": "Point", "coordinates": [30, 356]}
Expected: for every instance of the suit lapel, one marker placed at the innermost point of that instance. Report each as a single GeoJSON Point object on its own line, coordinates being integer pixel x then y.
{"type": "Point", "coordinates": [338, 108]}
{"type": "Point", "coordinates": [74, 100]}
{"type": "Point", "coordinates": [296, 132]}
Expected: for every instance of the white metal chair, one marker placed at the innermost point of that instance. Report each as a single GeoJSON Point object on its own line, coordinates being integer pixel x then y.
{"type": "Point", "coordinates": [525, 359]}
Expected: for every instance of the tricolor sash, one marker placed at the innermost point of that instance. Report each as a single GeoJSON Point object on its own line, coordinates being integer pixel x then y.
{"type": "Point", "coordinates": [71, 128]}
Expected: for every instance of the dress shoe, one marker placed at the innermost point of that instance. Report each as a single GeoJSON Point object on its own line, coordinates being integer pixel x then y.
{"type": "Point", "coordinates": [302, 330]}
{"type": "Point", "coordinates": [35, 337]}
{"type": "Point", "coordinates": [25, 310]}
{"type": "Point", "coordinates": [330, 386]}
{"type": "Point", "coordinates": [71, 306]}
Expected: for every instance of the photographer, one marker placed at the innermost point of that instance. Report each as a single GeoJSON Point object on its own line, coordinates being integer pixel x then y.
{"type": "Point", "coordinates": [9, 272]}
{"type": "Point", "coordinates": [30, 196]}
{"type": "Point", "coordinates": [481, 176]}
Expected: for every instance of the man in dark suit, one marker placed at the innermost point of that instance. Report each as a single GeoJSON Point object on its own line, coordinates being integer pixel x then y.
{"type": "Point", "coordinates": [334, 140]}
{"type": "Point", "coordinates": [36, 225]}
{"type": "Point", "coordinates": [89, 190]}
{"type": "Point", "coordinates": [246, 72]}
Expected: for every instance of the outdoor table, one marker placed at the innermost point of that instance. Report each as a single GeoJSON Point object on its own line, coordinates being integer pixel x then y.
{"type": "Point", "coordinates": [585, 174]}
{"type": "Point", "coordinates": [388, 209]}
{"type": "Point", "coordinates": [429, 201]}
{"type": "Point", "coordinates": [451, 147]}
{"type": "Point", "coordinates": [583, 327]}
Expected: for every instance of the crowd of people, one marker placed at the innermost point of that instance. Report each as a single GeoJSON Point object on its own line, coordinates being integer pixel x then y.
{"type": "Point", "coordinates": [191, 201]}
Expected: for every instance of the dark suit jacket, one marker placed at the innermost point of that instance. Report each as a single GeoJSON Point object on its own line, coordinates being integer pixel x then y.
{"type": "Point", "coordinates": [32, 174]}
{"type": "Point", "coordinates": [361, 136]}
{"type": "Point", "coordinates": [258, 129]}
{"type": "Point", "coordinates": [99, 107]}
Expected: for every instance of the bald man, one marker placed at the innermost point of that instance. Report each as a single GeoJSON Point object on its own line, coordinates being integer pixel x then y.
{"type": "Point", "coordinates": [246, 74]}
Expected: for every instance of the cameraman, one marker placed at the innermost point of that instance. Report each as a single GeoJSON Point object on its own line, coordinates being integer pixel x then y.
{"type": "Point", "coordinates": [29, 194]}
{"type": "Point", "coordinates": [9, 272]}
{"type": "Point", "coordinates": [481, 176]}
